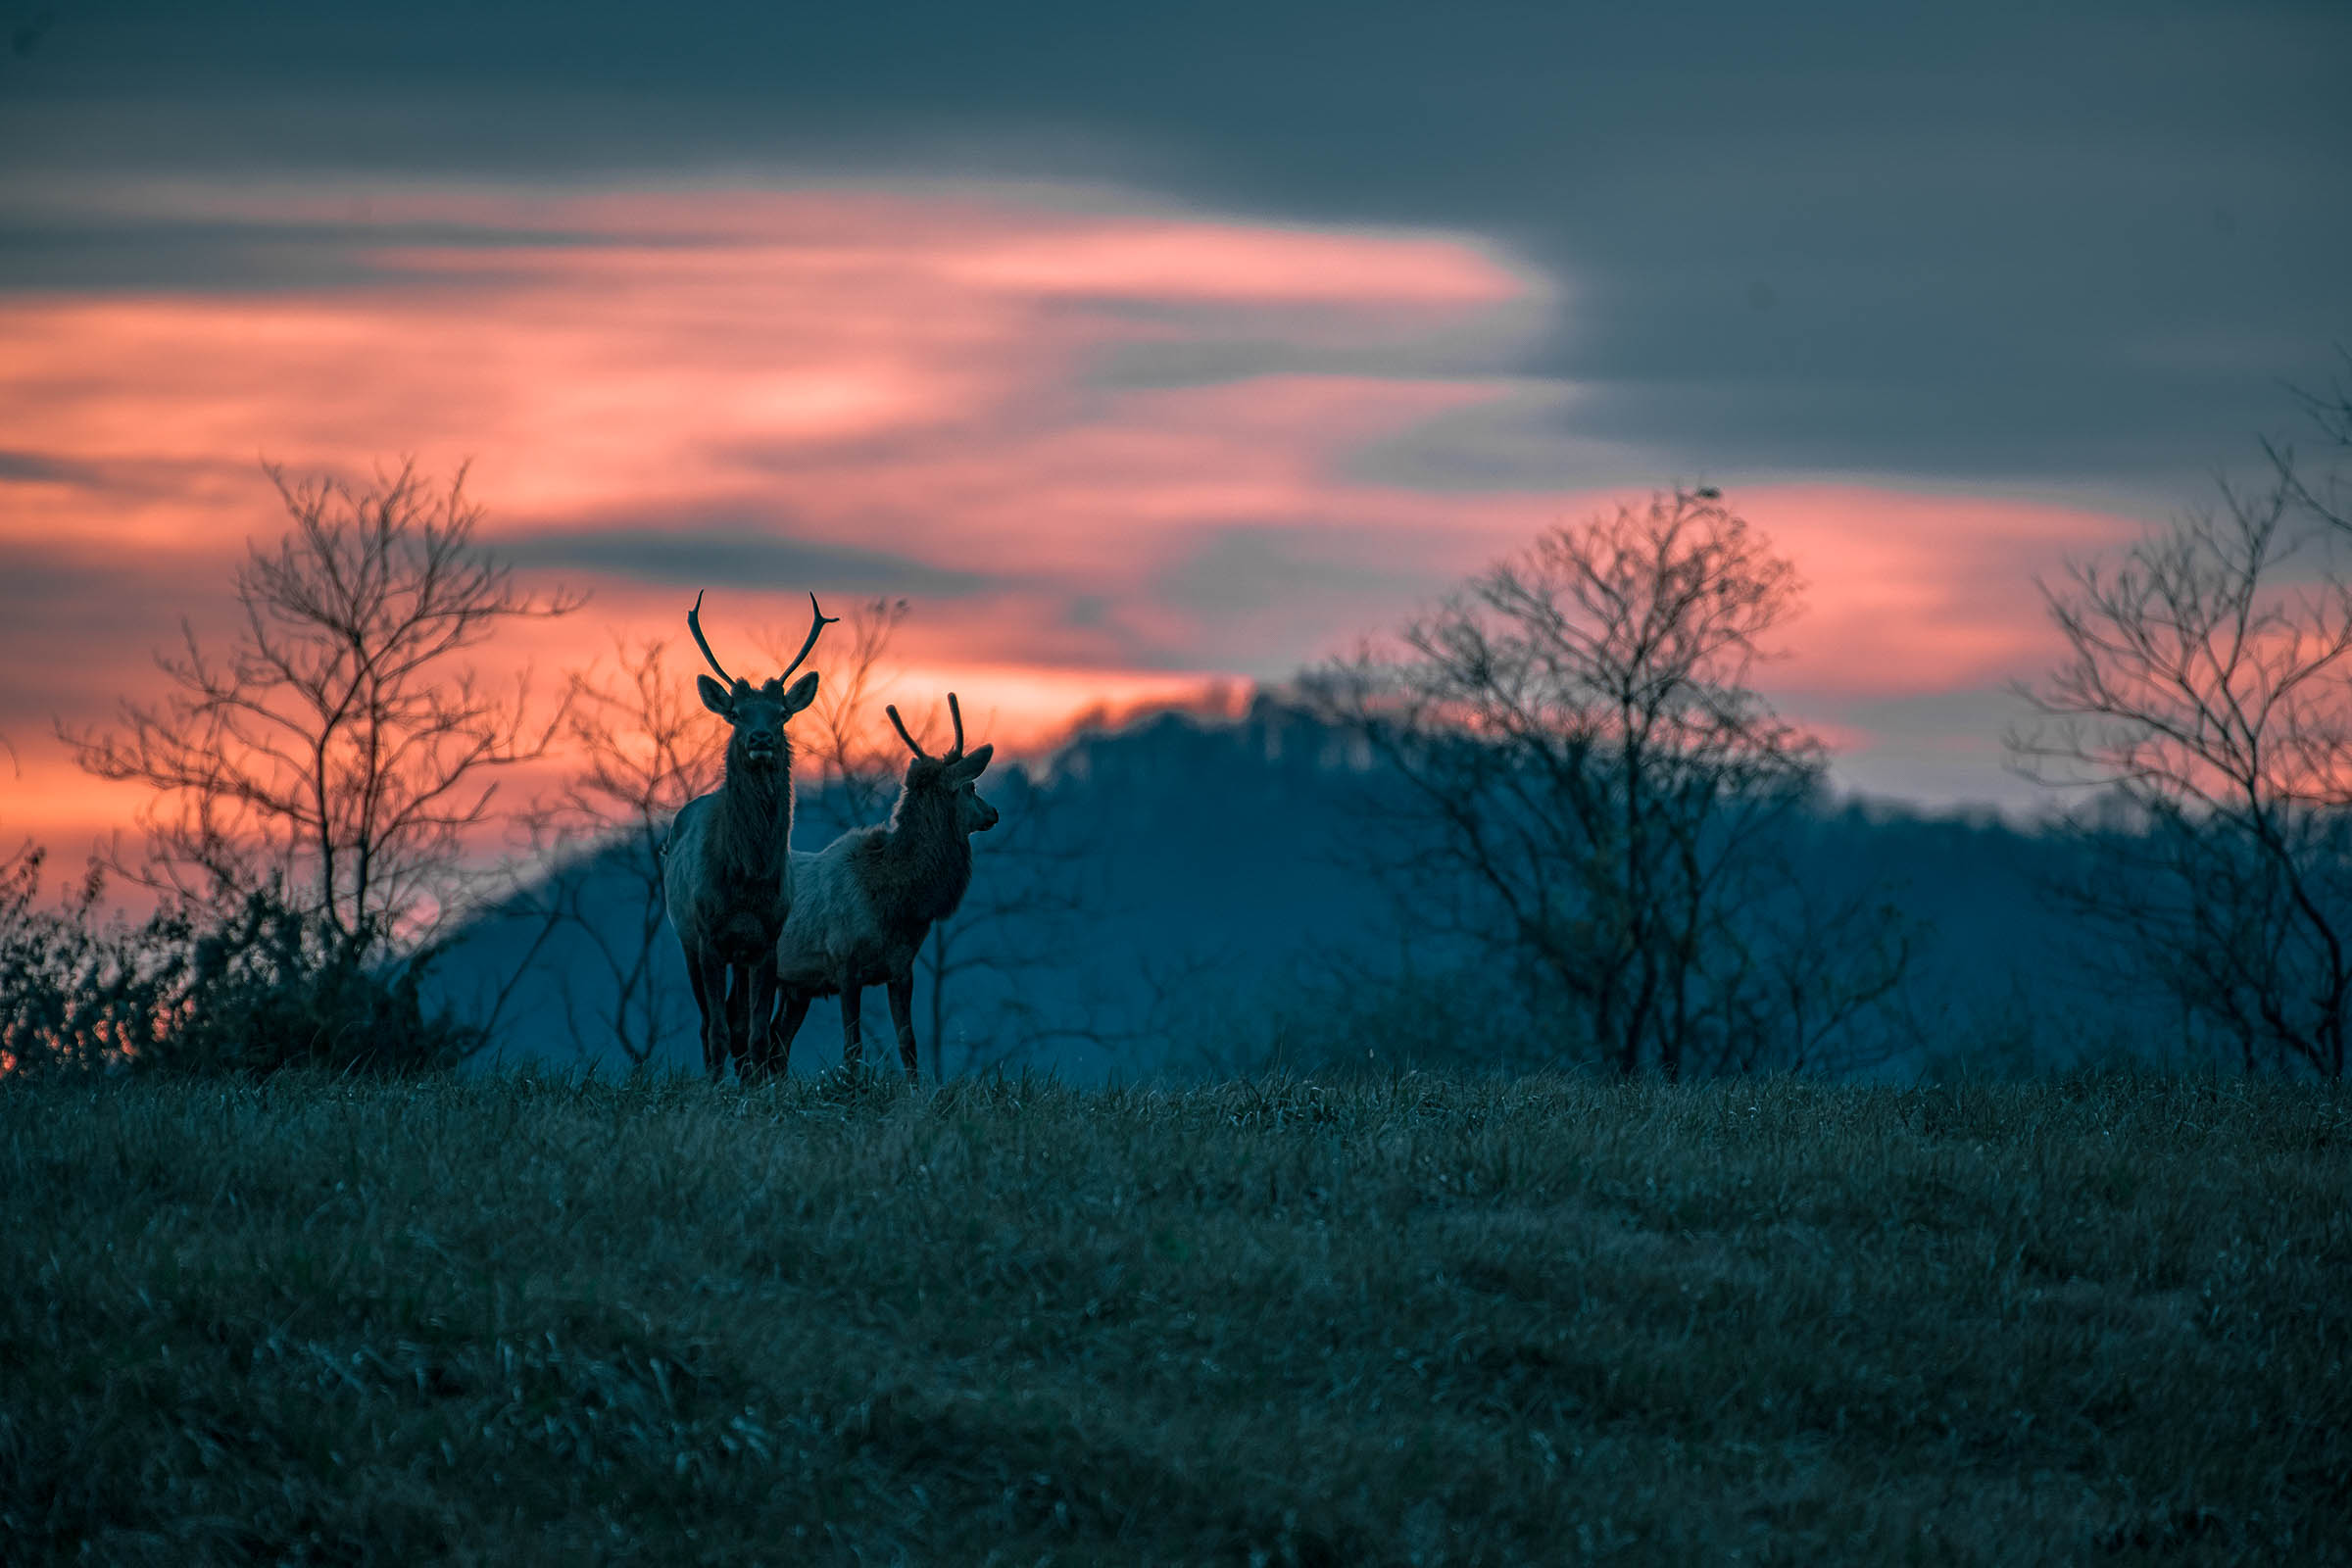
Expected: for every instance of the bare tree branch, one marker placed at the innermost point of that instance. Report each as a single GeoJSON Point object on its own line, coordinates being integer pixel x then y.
{"type": "Point", "coordinates": [2207, 695]}
{"type": "Point", "coordinates": [337, 746]}
{"type": "Point", "coordinates": [1591, 783]}
{"type": "Point", "coordinates": [643, 751]}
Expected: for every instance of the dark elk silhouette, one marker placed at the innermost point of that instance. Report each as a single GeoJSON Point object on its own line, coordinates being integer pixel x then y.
{"type": "Point", "coordinates": [863, 903]}
{"type": "Point", "coordinates": [726, 870]}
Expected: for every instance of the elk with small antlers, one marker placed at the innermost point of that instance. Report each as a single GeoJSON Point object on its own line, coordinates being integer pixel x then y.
{"type": "Point", "coordinates": [726, 870]}
{"type": "Point", "coordinates": [863, 903]}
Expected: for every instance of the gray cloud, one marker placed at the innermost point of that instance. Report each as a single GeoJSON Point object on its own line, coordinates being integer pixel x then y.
{"type": "Point", "coordinates": [1200, 344]}
{"type": "Point", "coordinates": [1943, 749]}
{"type": "Point", "coordinates": [56, 253]}
{"type": "Point", "coordinates": [1271, 597]}
{"type": "Point", "coordinates": [1244, 570]}
{"type": "Point", "coordinates": [79, 629]}
{"type": "Point", "coordinates": [1962, 242]}
{"type": "Point", "coordinates": [1526, 437]}
{"type": "Point", "coordinates": [33, 468]}
{"type": "Point", "coordinates": [743, 555]}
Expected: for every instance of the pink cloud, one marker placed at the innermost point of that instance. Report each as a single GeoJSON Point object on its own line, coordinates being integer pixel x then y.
{"type": "Point", "coordinates": [1910, 593]}
{"type": "Point", "coordinates": [905, 374]}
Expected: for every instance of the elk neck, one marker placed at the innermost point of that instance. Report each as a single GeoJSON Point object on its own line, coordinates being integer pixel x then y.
{"type": "Point", "coordinates": [920, 865]}
{"type": "Point", "coordinates": [754, 811]}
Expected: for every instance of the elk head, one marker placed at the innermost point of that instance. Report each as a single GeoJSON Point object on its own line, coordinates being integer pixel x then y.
{"type": "Point", "coordinates": [757, 713]}
{"type": "Point", "coordinates": [955, 776]}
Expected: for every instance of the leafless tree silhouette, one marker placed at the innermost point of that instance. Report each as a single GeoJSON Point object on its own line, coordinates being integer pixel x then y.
{"type": "Point", "coordinates": [1045, 874]}
{"type": "Point", "coordinates": [643, 746]}
{"type": "Point", "coordinates": [1592, 790]}
{"type": "Point", "coordinates": [2326, 495]}
{"type": "Point", "coordinates": [342, 744]}
{"type": "Point", "coordinates": [2206, 697]}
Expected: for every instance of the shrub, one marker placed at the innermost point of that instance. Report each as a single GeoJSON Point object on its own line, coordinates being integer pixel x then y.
{"type": "Point", "coordinates": [250, 984]}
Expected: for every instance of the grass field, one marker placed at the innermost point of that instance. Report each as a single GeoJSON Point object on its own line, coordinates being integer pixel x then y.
{"type": "Point", "coordinates": [1417, 1321]}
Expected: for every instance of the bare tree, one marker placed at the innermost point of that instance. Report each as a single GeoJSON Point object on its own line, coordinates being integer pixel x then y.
{"type": "Point", "coordinates": [2328, 496]}
{"type": "Point", "coordinates": [1590, 791]}
{"type": "Point", "coordinates": [1046, 883]}
{"type": "Point", "coordinates": [1807, 966]}
{"type": "Point", "coordinates": [342, 744]}
{"type": "Point", "coordinates": [643, 750]}
{"type": "Point", "coordinates": [2206, 695]}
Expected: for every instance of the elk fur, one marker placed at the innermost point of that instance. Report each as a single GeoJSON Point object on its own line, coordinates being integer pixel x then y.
{"type": "Point", "coordinates": [863, 905]}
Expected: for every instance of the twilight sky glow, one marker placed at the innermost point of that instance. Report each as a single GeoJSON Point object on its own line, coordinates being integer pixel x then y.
{"type": "Point", "coordinates": [1140, 352]}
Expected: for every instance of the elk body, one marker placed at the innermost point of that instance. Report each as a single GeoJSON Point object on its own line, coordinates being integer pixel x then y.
{"type": "Point", "coordinates": [863, 903]}
{"type": "Point", "coordinates": [726, 869]}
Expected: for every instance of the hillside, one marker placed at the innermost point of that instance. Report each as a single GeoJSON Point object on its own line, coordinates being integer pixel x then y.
{"type": "Point", "coordinates": [1237, 849]}
{"type": "Point", "coordinates": [1414, 1320]}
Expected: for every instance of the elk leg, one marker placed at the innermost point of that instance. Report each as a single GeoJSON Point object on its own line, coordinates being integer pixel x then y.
{"type": "Point", "coordinates": [760, 980]}
{"type": "Point", "coordinates": [902, 1017]}
{"type": "Point", "coordinates": [780, 1034]}
{"type": "Point", "coordinates": [739, 1020]}
{"type": "Point", "coordinates": [853, 1046]}
{"type": "Point", "coordinates": [709, 978]}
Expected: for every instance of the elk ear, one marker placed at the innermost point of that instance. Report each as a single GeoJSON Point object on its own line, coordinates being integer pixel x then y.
{"type": "Point", "coordinates": [714, 695]}
{"type": "Point", "coordinates": [803, 693]}
{"type": "Point", "coordinates": [972, 763]}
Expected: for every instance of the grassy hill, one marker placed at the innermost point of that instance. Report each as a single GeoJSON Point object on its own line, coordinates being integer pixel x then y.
{"type": "Point", "coordinates": [505, 1320]}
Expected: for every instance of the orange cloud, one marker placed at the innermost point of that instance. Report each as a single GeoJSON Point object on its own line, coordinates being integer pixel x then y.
{"type": "Point", "coordinates": [1913, 594]}
{"type": "Point", "coordinates": [1109, 449]}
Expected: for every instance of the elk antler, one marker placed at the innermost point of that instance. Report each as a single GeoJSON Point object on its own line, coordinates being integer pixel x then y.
{"type": "Point", "coordinates": [954, 713]}
{"type": "Point", "coordinates": [822, 621]}
{"type": "Point", "coordinates": [693, 624]}
{"type": "Point", "coordinates": [893, 712]}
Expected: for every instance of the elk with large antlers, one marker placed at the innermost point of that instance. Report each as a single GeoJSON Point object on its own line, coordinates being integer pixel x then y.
{"type": "Point", "coordinates": [727, 869]}
{"type": "Point", "coordinates": [863, 903]}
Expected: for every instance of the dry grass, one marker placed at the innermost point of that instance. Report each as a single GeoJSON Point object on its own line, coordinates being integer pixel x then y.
{"type": "Point", "coordinates": [1419, 1321]}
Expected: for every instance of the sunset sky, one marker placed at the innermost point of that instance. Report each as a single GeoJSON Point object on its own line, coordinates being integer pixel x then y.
{"type": "Point", "coordinates": [1140, 348]}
